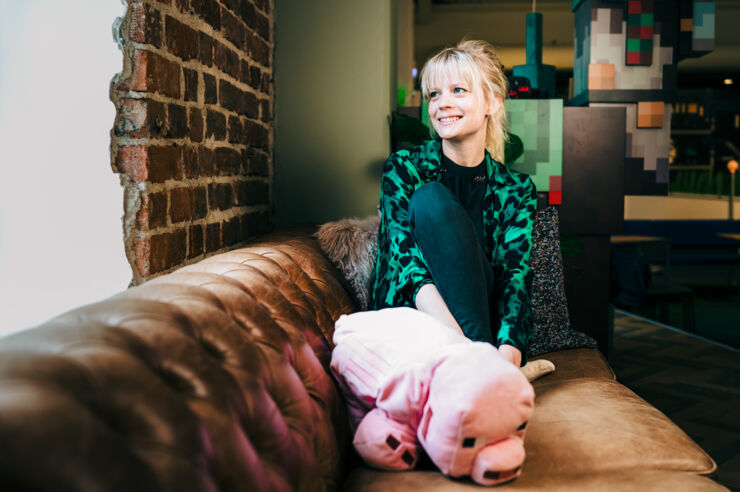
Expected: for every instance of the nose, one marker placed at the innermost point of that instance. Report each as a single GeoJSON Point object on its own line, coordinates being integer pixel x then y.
{"type": "Point", "coordinates": [445, 99]}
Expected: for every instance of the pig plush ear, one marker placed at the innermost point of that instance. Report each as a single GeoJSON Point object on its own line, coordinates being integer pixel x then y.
{"type": "Point", "coordinates": [386, 443]}
{"type": "Point", "coordinates": [498, 462]}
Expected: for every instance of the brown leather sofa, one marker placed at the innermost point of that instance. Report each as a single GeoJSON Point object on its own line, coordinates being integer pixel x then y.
{"type": "Point", "coordinates": [214, 378]}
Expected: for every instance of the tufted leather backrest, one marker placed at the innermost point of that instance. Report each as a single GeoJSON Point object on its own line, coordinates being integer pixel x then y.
{"type": "Point", "coordinates": [213, 378]}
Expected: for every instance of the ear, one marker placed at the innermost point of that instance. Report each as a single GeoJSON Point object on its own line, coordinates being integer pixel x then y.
{"type": "Point", "coordinates": [495, 105]}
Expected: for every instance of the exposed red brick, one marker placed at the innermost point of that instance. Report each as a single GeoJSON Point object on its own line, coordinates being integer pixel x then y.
{"type": "Point", "coordinates": [177, 121]}
{"type": "Point", "coordinates": [136, 78]}
{"type": "Point", "coordinates": [213, 237]}
{"type": "Point", "coordinates": [200, 203]}
{"type": "Point", "coordinates": [195, 241]}
{"type": "Point", "coordinates": [166, 250]}
{"type": "Point", "coordinates": [144, 24]}
{"type": "Point", "coordinates": [265, 112]}
{"type": "Point", "coordinates": [195, 125]}
{"type": "Point", "coordinates": [211, 92]}
{"type": "Point", "coordinates": [238, 101]}
{"type": "Point", "coordinates": [220, 196]}
{"type": "Point", "coordinates": [228, 161]}
{"type": "Point", "coordinates": [225, 59]}
{"type": "Point", "coordinates": [181, 40]}
{"type": "Point", "coordinates": [209, 11]}
{"type": "Point", "coordinates": [215, 125]}
{"type": "Point", "coordinates": [205, 54]}
{"type": "Point", "coordinates": [130, 118]}
{"type": "Point", "coordinates": [190, 161]}
{"type": "Point", "coordinates": [141, 249]}
{"type": "Point", "coordinates": [266, 83]}
{"type": "Point", "coordinates": [153, 211]}
{"type": "Point", "coordinates": [232, 231]}
{"type": "Point", "coordinates": [252, 193]}
{"type": "Point", "coordinates": [181, 204]}
{"type": "Point", "coordinates": [256, 162]}
{"type": "Point", "coordinates": [233, 5]}
{"type": "Point", "coordinates": [255, 78]}
{"type": "Point", "coordinates": [153, 73]}
{"type": "Point", "coordinates": [182, 5]}
{"type": "Point", "coordinates": [206, 161]}
{"type": "Point", "coordinates": [191, 84]}
{"type": "Point", "coordinates": [132, 161]}
{"type": "Point", "coordinates": [248, 13]}
{"type": "Point", "coordinates": [165, 162]}
{"type": "Point", "coordinates": [262, 26]}
{"type": "Point", "coordinates": [257, 134]}
{"type": "Point", "coordinates": [258, 49]}
{"type": "Point", "coordinates": [263, 5]}
{"type": "Point", "coordinates": [236, 131]}
{"type": "Point", "coordinates": [233, 29]}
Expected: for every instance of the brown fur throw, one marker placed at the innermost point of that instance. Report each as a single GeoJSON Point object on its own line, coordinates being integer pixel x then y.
{"type": "Point", "coordinates": [351, 244]}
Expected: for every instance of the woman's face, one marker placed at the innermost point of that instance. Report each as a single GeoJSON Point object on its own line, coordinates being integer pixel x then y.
{"type": "Point", "coordinates": [457, 112]}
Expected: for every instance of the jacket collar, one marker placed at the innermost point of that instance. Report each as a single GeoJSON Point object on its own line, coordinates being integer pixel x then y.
{"type": "Point", "coordinates": [433, 152]}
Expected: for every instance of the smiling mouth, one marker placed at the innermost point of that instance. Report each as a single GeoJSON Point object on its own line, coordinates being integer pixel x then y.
{"type": "Point", "coordinates": [449, 119]}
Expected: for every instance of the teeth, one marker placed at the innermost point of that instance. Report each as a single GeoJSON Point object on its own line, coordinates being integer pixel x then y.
{"type": "Point", "coordinates": [449, 119]}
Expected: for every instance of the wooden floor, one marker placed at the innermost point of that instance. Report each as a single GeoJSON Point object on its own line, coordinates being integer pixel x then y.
{"type": "Point", "coordinates": [695, 382]}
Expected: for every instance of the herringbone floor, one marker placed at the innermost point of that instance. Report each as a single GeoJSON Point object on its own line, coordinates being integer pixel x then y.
{"type": "Point", "coordinates": [696, 383]}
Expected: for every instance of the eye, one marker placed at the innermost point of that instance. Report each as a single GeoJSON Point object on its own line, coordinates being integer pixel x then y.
{"type": "Point", "coordinates": [433, 94]}
{"type": "Point", "coordinates": [459, 90]}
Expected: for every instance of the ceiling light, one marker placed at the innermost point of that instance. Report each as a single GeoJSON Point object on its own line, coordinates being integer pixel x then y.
{"type": "Point", "coordinates": [729, 81]}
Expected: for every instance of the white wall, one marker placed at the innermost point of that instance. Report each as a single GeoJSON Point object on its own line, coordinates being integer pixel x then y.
{"type": "Point", "coordinates": [61, 239]}
{"type": "Point", "coordinates": [334, 83]}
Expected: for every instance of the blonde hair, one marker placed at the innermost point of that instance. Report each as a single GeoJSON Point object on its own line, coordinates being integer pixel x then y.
{"type": "Point", "coordinates": [477, 64]}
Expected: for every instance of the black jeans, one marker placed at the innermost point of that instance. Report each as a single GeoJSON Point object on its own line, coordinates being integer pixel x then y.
{"type": "Point", "coordinates": [445, 233]}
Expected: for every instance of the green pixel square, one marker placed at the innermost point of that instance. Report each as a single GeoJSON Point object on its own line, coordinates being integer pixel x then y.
{"type": "Point", "coordinates": [539, 123]}
{"type": "Point", "coordinates": [646, 19]}
{"type": "Point", "coordinates": [634, 45]}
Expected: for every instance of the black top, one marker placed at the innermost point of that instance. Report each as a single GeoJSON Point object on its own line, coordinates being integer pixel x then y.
{"type": "Point", "coordinates": [468, 184]}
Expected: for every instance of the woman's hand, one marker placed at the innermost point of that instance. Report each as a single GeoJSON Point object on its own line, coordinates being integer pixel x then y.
{"type": "Point", "coordinates": [511, 353]}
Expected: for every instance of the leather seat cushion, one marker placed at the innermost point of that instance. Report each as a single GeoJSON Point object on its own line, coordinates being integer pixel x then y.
{"type": "Point", "coordinates": [587, 425]}
{"type": "Point", "coordinates": [576, 363]}
{"type": "Point", "coordinates": [366, 480]}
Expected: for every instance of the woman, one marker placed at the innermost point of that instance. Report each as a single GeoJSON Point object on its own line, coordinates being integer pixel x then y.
{"type": "Point", "coordinates": [456, 224]}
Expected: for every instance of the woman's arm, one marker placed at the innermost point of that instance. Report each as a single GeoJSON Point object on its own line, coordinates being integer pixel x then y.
{"type": "Point", "coordinates": [513, 276]}
{"type": "Point", "coordinates": [404, 272]}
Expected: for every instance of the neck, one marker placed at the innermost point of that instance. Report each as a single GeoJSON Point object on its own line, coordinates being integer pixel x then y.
{"type": "Point", "coordinates": [468, 153]}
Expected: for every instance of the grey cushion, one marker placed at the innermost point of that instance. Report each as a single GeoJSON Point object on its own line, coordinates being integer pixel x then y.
{"type": "Point", "coordinates": [552, 329]}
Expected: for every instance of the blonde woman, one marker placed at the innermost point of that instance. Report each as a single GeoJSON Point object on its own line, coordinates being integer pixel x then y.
{"type": "Point", "coordinates": [456, 223]}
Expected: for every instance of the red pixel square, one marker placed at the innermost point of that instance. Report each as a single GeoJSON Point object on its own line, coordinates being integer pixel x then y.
{"type": "Point", "coordinates": [634, 7]}
{"type": "Point", "coordinates": [555, 198]}
{"type": "Point", "coordinates": [633, 58]}
{"type": "Point", "coordinates": [556, 183]}
{"type": "Point", "coordinates": [646, 32]}
{"type": "Point", "coordinates": [633, 32]}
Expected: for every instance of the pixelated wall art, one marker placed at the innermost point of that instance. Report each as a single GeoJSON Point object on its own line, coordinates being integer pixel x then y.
{"type": "Point", "coordinates": [625, 56]}
{"type": "Point", "coordinates": [539, 123]}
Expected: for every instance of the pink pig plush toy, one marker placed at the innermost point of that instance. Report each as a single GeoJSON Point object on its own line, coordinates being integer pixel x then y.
{"type": "Point", "coordinates": [411, 381]}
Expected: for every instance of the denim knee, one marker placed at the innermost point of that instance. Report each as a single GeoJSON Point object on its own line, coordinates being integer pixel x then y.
{"type": "Point", "coordinates": [430, 202]}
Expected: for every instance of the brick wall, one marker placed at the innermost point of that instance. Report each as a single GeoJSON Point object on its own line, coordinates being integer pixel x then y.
{"type": "Point", "coordinates": [193, 135]}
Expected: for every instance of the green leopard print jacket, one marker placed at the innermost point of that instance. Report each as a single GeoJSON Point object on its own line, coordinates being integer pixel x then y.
{"type": "Point", "coordinates": [508, 216]}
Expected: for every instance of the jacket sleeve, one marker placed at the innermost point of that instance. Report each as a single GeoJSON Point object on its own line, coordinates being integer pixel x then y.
{"type": "Point", "coordinates": [514, 277]}
{"type": "Point", "coordinates": [406, 270]}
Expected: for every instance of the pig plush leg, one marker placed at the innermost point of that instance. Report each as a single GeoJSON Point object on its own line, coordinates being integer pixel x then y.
{"type": "Point", "coordinates": [385, 443]}
{"type": "Point", "coordinates": [499, 462]}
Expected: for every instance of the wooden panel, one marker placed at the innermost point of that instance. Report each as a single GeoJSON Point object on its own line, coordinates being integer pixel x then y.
{"type": "Point", "coordinates": [587, 289]}
{"type": "Point", "coordinates": [593, 170]}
